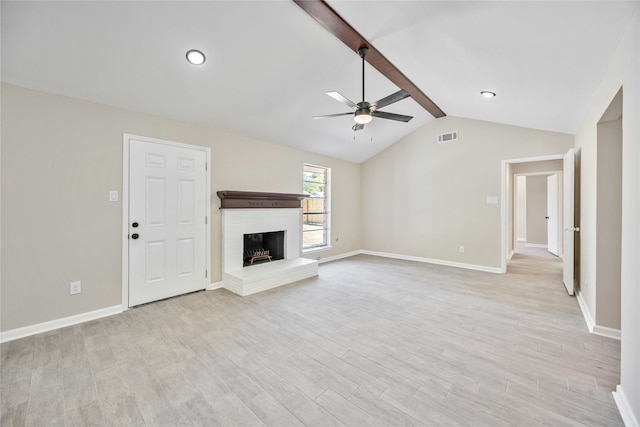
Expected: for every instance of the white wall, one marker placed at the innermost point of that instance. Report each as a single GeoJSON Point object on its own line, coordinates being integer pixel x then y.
{"type": "Point", "coordinates": [425, 199]}
{"type": "Point", "coordinates": [60, 158]}
{"type": "Point", "coordinates": [623, 71]}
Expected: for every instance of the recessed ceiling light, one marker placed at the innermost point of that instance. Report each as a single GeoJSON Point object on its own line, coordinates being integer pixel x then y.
{"type": "Point", "coordinates": [195, 57]}
{"type": "Point", "coordinates": [487, 94]}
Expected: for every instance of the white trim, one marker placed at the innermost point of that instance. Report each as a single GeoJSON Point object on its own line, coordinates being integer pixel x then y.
{"type": "Point", "coordinates": [314, 249]}
{"type": "Point", "coordinates": [215, 285]}
{"type": "Point", "coordinates": [125, 205]}
{"type": "Point", "coordinates": [521, 239]}
{"type": "Point", "coordinates": [125, 221]}
{"type": "Point", "coordinates": [535, 245]}
{"type": "Point", "coordinates": [337, 257]}
{"type": "Point", "coordinates": [511, 254]}
{"type": "Point", "coordinates": [39, 328]}
{"type": "Point", "coordinates": [536, 158]}
{"type": "Point", "coordinates": [435, 261]}
{"type": "Point", "coordinates": [588, 319]}
{"type": "Point", "coordinates": [603, 331]}
{"type": "Point", "coordinates": [624, 407]}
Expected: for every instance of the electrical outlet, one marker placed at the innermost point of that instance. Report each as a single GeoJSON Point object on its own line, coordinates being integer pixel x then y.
{"type": "Point", "coordinates": [75, 287]}
{"type": "Point", "coordinates": [461, 249]}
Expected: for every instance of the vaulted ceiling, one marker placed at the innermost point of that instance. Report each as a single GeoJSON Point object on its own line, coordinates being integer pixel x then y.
{"type": "Point", "coordinates": [269, 64]}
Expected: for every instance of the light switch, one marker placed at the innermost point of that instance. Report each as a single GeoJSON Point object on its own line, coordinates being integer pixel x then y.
{"type": "Point", "coordinates": [113, 196]}
{"type": "Point", "coordinates": [492, 200]}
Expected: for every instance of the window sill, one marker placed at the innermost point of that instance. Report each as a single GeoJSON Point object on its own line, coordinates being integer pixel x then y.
{"type": "Point", "coordinates": [316, 249]}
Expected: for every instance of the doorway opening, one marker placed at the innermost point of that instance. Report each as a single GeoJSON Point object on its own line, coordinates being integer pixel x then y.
{"type": "Point", "coordinates": [607, 278]}
{"type": "Point", "coordinates": [533, 165]}
{"type": "Point", "coordinates": [537, 207]}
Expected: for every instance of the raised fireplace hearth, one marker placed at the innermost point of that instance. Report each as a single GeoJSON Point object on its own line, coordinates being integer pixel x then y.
{"type": "Point", "coordinates": [274, 223]}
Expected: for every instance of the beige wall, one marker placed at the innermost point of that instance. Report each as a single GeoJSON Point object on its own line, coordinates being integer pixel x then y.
{"type": "Point", "coordinates": [538, 166]}
{"type": "Point", "coordinates": [609, 224]}
{"type": "Point", "coordinates": [61, 156]}
{"type": "Point", "coordinates": [623, 72]}
{"type": "Point", "coordinates": [521, 208]}
{"type": "Point", "coordinates": [425, 199]}
{"type": "Point", "coordinates": [537, 209]}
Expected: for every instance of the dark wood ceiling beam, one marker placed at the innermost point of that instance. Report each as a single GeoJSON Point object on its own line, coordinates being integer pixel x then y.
{"type": "Point", "coordinates": [329, 18]}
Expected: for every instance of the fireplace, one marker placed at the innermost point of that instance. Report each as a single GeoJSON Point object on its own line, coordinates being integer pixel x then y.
{"type": "Point", "coordinates": [262, 247]}
{"type": "Point", "coordinates": [276, 217]}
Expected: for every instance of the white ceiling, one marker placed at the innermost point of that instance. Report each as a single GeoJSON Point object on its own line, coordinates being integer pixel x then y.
{"type": "Point", "coordinates": [269, 64]}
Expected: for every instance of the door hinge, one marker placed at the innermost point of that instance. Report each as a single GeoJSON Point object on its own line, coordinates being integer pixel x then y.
{"type": "Point", "coordinates": [206, 273]}
{"type": "Point", "coordinates": [206, 220]}
{"type": "Point", "coordinates": [206, 166]}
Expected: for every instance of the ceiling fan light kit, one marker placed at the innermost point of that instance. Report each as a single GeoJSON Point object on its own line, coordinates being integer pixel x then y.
{"type": "Point", "coordinates": [365, 111]}
{"type": "Point", "coordinates": [363, 116]}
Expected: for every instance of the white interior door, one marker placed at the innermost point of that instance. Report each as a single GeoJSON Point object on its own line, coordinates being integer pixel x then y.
{"type": "Point", "coordinates": [568, 226]}
{"type": "Point", "coordinates": [552, 214]}
{"type": "Point", "coordinates": [167, 221]}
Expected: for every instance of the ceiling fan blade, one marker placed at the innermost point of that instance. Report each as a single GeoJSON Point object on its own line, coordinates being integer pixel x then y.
{"type": "Point", "coordinates": [333, 115]}
{"type": "Point", "coordinates": [340, 98]}
{"type": "Point", "coordinates": [394, 97]}
{"type": "Point", "coordinates": [357, 126]}
{"type": "Point", "coordinates": [391, 116]}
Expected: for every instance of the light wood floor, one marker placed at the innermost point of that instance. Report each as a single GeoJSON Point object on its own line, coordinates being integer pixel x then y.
{"type": "Point", "coordinates": [371, 341]}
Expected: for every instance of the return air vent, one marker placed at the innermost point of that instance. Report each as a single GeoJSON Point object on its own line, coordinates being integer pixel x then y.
{"type": "Point", "coordinates": [448, 137]}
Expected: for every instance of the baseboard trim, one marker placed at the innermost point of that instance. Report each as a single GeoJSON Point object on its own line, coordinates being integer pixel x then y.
{"type": "Point", "coordinates": [586, 314]}
{"type": "Point", "coordinates": [213, 286]}
{"type": "Point", "coordinates": [484, 268]}
{"type": "Point", "coordinates": [337, 257]}
{"type": "Point", "coordinates": [511, 255]}
{"type": "Point", "coordinates": [39, 328]}
{"type": "Point", "coordinates": [624, 407]}
{"type": "Point", "coordinates": [603, 331]}
{"type": "Point", "coordinates": [535, 245]}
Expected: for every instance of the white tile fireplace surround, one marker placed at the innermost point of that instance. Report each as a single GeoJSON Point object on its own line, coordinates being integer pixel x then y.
{"type": "Point", "coordinates": [258, 217]}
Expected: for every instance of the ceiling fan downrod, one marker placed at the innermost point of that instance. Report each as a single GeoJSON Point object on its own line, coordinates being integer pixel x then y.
{"type": "Point", "coordinates": [363, 52]}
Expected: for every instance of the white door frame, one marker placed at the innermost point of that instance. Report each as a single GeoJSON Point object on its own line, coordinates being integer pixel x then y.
{"type": "Point", "coordinates": [503, 201]}
{"type": "Point", "coordinates": [125, 206]}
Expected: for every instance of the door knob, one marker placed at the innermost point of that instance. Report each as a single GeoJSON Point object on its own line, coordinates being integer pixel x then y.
{"type": "Point", "coordinates": [134, 225]}
{"type": "Point", "coordinates": [134, 236]}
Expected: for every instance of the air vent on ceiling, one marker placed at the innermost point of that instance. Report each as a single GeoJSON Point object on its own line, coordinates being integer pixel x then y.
{"type": "Point", "coordinates": [448, 137]}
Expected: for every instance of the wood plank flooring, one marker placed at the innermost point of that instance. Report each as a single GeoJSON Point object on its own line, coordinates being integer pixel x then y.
{"type": "Point", "coordinates": [371, 341]}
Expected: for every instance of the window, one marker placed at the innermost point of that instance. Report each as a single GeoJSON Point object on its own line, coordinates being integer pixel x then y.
{"type": "Point", "coordinates": [315, 208]}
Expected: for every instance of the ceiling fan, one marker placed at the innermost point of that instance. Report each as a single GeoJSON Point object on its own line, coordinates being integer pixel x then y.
{"type": "Point", "coordinates": [365, 111]}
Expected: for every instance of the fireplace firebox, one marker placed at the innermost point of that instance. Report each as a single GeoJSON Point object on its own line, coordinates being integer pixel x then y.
{"type": "Point", "coordinates": [263, 247]}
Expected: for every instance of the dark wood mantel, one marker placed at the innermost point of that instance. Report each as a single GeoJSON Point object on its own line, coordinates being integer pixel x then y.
{"type": "Point", "coordinates": [256, 200]}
